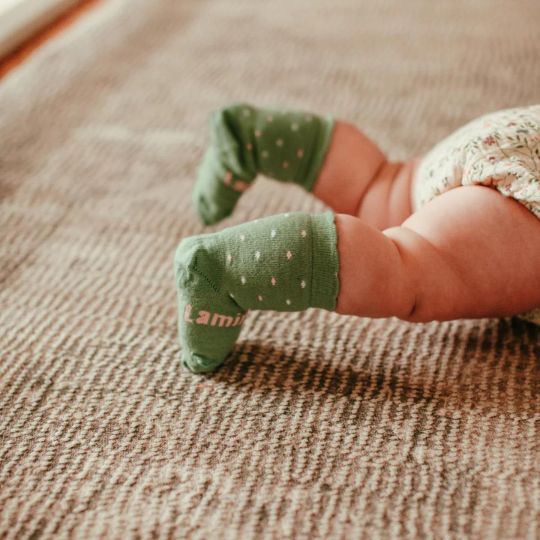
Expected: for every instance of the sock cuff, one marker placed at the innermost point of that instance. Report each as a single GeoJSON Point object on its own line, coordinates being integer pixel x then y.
{"type": "Point", "coordinates": [318, 153]}
{"type": "Point", "coordinates": [325, 262]}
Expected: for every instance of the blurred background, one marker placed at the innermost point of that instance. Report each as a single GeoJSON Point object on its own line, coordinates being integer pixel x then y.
{"type": "Point", "coordinates": [22, 19]}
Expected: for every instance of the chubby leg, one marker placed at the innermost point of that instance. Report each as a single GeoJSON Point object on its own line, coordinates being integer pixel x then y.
{"type": "Point", "coordinates": [332, 159]}
{"type": "Point", "coordinates": [357, 179]}
{"type": "Point", "coordinates": [471, 252]}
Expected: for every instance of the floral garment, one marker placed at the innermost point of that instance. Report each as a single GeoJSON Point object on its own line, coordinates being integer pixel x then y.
{"type": "Point", "coordinates": [500, 150]}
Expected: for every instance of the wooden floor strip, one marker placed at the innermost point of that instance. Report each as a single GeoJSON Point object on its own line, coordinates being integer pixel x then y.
{"type": "Point", "coordinates": [21, 53]}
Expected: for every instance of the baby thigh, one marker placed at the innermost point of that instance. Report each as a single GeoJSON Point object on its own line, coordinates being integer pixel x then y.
{"type": "Point", "coordinates": [470, 252]}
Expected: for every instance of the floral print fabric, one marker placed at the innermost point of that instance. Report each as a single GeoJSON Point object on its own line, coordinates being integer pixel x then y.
{"type": "Point", "coordinates": [500, 150]}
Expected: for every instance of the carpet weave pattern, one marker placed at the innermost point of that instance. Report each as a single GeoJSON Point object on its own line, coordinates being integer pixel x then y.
{"type": "Point", "coordinates": [318, 426]}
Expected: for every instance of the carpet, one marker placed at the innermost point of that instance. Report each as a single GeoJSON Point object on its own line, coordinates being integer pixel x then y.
{"type": "Point", "coordinates": [318, 425]}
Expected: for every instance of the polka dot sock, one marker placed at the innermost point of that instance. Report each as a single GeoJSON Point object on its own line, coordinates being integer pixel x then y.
{"type": "Point", "coordinates": [289, 146]}
{"type": "Point", "coordinates": [287, 262]}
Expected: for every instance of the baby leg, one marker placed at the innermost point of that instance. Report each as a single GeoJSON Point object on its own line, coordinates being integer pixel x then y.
{"type": "Point", "coordinates": [358, 180]}
{"type": "Point", "coordinates": [468, 253]}
{"type": "Point", "coordinates": [285, 145]}
{"type": "Point", "coordinates": [342, 166]}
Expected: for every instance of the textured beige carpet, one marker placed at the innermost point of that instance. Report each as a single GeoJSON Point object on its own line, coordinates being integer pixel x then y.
{"type": "Point", "coordinates": [318, 426]}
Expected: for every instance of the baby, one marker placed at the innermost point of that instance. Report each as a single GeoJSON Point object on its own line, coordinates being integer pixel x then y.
{"type": "Point", "coordinates": [455, 234]}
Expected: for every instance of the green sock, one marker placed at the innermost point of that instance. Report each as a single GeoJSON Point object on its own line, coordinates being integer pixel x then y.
{"type": "Point", "coordinates": [287, 262]}
{"type": "Point", "coordinates": [285, 145]}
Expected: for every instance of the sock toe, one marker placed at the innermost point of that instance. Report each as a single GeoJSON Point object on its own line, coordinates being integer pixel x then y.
{"type": "Point", "coordinates": [199, 364]}
{"type": "Point", "coordinates": [209, 321]}
{"type": "Point", "coordinates": [212, 207]}
{"type": "Point", "coordinates": [216, 190]}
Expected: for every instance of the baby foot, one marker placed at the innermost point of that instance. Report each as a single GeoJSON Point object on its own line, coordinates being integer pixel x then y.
{"type": "Point", "coordinates": [289, 146]}
{"type": "Point", "coordinates": [287, 262]}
